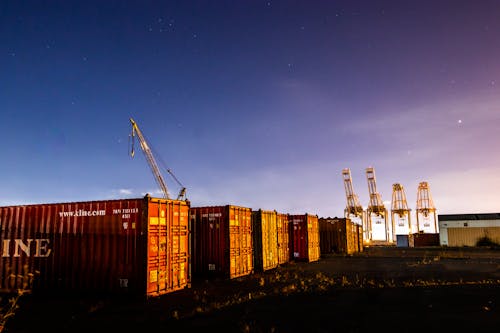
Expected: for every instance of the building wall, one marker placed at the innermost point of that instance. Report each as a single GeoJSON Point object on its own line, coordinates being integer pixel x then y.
{"type": "Point", "coordinates": [468, 232]}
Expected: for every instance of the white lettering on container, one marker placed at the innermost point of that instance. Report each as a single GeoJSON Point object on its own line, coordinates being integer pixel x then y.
{"type": "Point", "coordinates": [25, 247]}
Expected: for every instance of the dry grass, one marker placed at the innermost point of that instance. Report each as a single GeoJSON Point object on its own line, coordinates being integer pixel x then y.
{"type": "Point", "coordinates": [9, 309]}
{"type": "Point", "coordinates": [284, 283]}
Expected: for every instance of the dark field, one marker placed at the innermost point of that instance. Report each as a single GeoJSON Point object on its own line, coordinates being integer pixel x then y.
{"type": "Point", "coordinates": [382, 289]}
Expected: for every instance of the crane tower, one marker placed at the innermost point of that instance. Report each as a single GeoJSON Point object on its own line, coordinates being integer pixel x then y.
{"type": "Point", "coordinates": [426, 211]}
{"type": "Point", "coordinates": [376, 214]}
{"type": "Point", "coordinates": [353, 211]}
{"type": "Point", "coordinates": [400, 213]}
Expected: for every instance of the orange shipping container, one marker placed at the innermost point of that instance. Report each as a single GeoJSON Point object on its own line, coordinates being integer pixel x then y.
{"type": "Point", "coordinates": [283, 232]}
{"type": "Point", "coordinates": [222, 241]}
{"type": "Point", "coordinates": [138, 246]}
{"type": "Point", "coordinates": [265, 240]}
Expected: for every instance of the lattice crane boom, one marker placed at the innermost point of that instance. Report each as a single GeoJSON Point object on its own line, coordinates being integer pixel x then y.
{"type": "Point", "coordinates": [376, 204]}
{"type": "Point", "coordinates": [150, 158]}
{"type": "Point", "coordinates": [353, 205]}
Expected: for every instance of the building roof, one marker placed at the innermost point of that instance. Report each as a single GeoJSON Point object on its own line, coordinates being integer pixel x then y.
{"type": "Point", "coordinates": [469, 217]}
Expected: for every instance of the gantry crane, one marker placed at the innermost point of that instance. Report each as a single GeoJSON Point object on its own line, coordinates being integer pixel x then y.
{"type": "Point", "coordinates": [426, 211]}
{"type": "Point", "coordinates": [400, 213]}
{"type": "Point", "coordinates": [153, 165]}
{"type": "Point", "coordinates": [376, 214]}
{"type": "Point", "coordinates": [353, 209]}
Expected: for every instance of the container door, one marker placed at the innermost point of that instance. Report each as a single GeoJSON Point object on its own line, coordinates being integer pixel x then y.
{"type": "Point", "coordinates": [179, 245]}
{"type": "Point", "coordinates": [157, 249]}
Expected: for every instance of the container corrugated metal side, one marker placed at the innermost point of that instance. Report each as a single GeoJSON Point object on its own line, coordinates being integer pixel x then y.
{"type": "Point", "coordinates": [222, 243]}
{"type": "Point", "coordinates": [356, 237]}
{"type": "Point", "coordinates": [328, 241]}
{"type": "Point", "coordinates": [265, 246]}
{"type": "Point", "coordinates": [340, 235]}
{"type": "Point", "coordinates": [283, 233]}
{"type": "Point", "coordinates": [352, 241]}
{"type": "Point", "coordinates": [138, 246]}
{"type": "Point", "coordinates": [305, 237]}
{"type": "Point", "coordinates": [360, 237]}
{"type": "Point", "coordinates": [423, 239]}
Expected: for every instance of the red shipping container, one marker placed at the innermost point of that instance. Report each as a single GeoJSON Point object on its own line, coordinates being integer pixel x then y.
{"type": "Point", "coordinates": [423, 239]}
{"type": "Point", "coordinates": [283, 231]}
{"type": "Point", "coordinates": [137, 246]}
{"type": "Point", "coordinates": [222, 241]}
{"type": "Point", "coordinates": [305, 237]}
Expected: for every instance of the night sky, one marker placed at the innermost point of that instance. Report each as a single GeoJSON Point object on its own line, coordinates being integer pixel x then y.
{"type": "Point", "coordinates": [252, 103]}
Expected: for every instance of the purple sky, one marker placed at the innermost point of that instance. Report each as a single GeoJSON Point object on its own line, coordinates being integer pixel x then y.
{"type": "Point", "coordinates": [253, 103]}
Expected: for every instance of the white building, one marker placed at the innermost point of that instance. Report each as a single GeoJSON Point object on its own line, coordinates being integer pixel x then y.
{"type": "Point", "coordinates": [468, 229]}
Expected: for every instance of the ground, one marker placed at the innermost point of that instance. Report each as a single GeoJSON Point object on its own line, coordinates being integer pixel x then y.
{"type": "Point", "coordinates": [384, 288]}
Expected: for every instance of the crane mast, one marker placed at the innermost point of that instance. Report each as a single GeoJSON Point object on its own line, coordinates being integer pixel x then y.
{"type": "Point", "coordinates": [353, 205]}
{"type": "Point", "coordinates": [150, 158]}
{"type": "Point", "coordinates": [353, 210]}
{"type": "Point", "coordinates": [426, 211]}
{"type": "Point", "coordinates": [400, 213]}
{"type": "Point", "coordinates": [376, 213]}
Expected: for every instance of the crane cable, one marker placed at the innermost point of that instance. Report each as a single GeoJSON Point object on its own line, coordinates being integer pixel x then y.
{"type": "Point", "coordinates": [131, 140]}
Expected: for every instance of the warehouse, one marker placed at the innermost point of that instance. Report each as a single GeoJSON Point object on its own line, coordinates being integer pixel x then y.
{"type": "Point", "coordinates": [469, 229]}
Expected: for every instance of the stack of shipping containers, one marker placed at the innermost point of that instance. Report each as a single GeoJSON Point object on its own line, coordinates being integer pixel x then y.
{"type": "Point", "coordinates": [265, 237]}
{"type": "Point", "coordinates": [222, 241]}
{"type": "Point", "coordinates": [304, 237]}
{"type": "Point", "coordinates": [137, 246]}
{"type": "Point", "coordinates": [283, 231]}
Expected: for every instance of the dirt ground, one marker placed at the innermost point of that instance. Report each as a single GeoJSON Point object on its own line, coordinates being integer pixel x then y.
{"type": "Point", "coordinates": [383, 288]}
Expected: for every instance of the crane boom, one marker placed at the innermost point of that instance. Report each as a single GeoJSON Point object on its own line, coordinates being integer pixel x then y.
{"type": "Point", "coordinates": [150, 158]}
{"type": "Point", "coordinates": [353, 205]}
{"type": "Point", "coordinates": [376, 204]}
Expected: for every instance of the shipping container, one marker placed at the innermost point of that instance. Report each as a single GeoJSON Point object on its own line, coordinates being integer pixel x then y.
{"type": "Point", "coordinates": [222, 241]}
{"type": "Point", "coordinates": [360, 237]}
{"type": "Point", "coordinates": [283, 232]}
{"type": "Point", "coordinates": [340, 235]}
{"type": "Point", "coordinates": [328, 236]}
{"type": "Point", "coordinates": [265, 237]}
{"type": "Point", "coordinates": [422, 239]}
{"type": "Point", "coordinates": [355, 238]}
{"type": "Point", "coordinates": [402, 241]}
{"type": "Point", "coordinates": [136, 246]}
{"type": "Point", "coordinates": [304, 237]}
